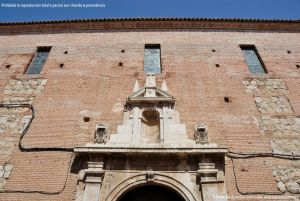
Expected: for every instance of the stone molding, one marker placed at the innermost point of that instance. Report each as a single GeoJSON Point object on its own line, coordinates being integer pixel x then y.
{"type": "Point", "coordinates": [93, 177]}
{"type": "Point", "coordinates": [141, 179]}
{"type": "Point", "coordinates": [212, 182]}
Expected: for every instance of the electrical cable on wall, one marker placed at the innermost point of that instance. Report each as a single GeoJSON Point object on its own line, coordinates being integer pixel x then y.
{"type": "Point", "coordinates": [37, 149]}
{"type": "Point", "coordinates": [235, 155]}
{"type": "Point", "coordinates": [250, 193]}
{"type": "Point", "coordinates": [253, 155]}
{"type": "Point", "coordinates": [34, 149]}
{"type": "Point", "coordinates": [230, 154]}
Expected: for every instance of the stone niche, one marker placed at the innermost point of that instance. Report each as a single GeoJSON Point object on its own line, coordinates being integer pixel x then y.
{"type": "Point", "coordinates": [150, 119]}
{"type": "Point", "coordinates": [151, 148]}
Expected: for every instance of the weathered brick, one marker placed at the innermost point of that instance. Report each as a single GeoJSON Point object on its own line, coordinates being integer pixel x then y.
{"type": "Point", "coordinates": [91, 83]}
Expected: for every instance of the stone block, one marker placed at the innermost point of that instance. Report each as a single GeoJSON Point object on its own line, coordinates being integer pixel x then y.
{"type": "Point", "coordinates": [286, 146]}
{"type": "Point", "coordinates": [8, 167]}
{"type": "Point", "coordinates": [281, 186]}
{"type": "Point", "coordinates": [293, 187]}
{"type": "Point", "coordinates": [24, 86]}
{"type": "Point", "coordinates": [265, 86]}
{"type": "Point", "coordinates": [279, 125]}
{"type": "Point", "coordinates": [273, 104]}
{"type": "Point", "coordinates": [1, 173]}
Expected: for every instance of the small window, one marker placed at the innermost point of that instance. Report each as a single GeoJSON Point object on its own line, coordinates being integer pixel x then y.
{"type": "Point", "coordinates": [38, 61]}
{"type": "Point", "coordinates": [253, 60]}
{"type": "Point", "coordinates": [152, 59]}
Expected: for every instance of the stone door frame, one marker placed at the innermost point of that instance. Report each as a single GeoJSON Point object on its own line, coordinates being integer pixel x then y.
{"type": "Point", "coordinates": [150, 178]}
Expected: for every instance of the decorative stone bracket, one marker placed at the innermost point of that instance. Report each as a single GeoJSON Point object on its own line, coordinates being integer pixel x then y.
{"type": "Point", "coordinates": [101, 134]}
{"type": "Point", "coordinates": [212, 182]}
{"type": "Point", "coordinates": [201, 134]}
{"type": "Point", "coordinates": [150, 176]}
{"type": "Point", "coordinates": [93, 177]}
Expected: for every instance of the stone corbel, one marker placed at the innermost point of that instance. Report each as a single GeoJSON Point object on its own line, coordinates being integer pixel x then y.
{"type": "Point", "coordinates": [92, 178]}
{"type": "Point", "coordinates": [212, 182]}
{"type": "Point", "coordinates": [150, 176]}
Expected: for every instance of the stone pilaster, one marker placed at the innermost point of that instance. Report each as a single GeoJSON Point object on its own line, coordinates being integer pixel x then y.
{"type": "Point", "coordinates": [93, 177]}
{"type": "Point", "coordinates": [212, 182]}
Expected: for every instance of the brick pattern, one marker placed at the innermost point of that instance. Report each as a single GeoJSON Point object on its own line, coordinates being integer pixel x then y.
{"type": "Point", "coordinates": [162, 24]}
{"type": "Point", "coordinates": [91, 83]}
{"type": "Point", "coordinates": [279, 123]}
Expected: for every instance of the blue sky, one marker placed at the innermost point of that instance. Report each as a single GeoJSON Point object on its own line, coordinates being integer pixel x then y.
{"type": "Point", "coordinates": [266, 9]}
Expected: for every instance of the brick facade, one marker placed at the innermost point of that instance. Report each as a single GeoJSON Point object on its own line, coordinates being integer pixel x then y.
{"type": "Point", "coordinates": [262, 114]}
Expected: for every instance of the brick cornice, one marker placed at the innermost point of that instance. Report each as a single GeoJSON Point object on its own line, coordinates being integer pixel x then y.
{"type": "Point", "coordinates": [125, 24]}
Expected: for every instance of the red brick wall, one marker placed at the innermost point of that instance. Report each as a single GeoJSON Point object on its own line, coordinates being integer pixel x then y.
{"type": "Point", "coordinates": [92, 79]}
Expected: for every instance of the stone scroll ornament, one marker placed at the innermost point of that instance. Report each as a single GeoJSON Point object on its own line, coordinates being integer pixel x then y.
{"type": "Point", "coordinates": [201, 132]}
{"type": "Point", "coordinates": [101, 134]}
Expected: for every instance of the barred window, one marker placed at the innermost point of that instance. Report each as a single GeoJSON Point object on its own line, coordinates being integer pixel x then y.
{"type": "Point", "coordinates": [253, 60]}
{"type": "Point", "coordinates": [38, 61]}
{"type": "Point", "coordinates": [152, 59]}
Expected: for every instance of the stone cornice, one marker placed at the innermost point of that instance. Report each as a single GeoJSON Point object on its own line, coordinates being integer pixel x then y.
{"type": "Point", "coordinates": [144, 150]}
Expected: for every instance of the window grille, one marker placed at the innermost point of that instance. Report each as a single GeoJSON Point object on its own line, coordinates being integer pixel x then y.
{"type": "Point", "coordinates": [253, 60]}
{"type": "Point", "coordinates": [38, 61]}
{"type": "Point", "coordinates": [152, 59]}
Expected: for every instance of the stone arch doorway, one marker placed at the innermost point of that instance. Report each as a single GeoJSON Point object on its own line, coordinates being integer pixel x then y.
{"type": "Point", "coordinates": [151, 193]}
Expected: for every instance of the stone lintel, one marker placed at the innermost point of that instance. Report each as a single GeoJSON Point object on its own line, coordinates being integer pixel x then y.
{"type": "Point", "coordinates": [151, 99]}
{"type": "Point", "coordinates": [133, 151]}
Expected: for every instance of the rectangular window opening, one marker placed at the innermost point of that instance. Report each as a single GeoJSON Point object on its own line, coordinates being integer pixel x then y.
{"type": "Point", "coordinates": [38, 61]}
{"type": "Point", "coordinates": [253, 60]}
{"type": "Point", "coordinates": [152, 63]}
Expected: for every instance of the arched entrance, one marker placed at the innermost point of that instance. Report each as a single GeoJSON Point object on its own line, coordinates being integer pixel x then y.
{"type": "Point", "coordinates": [151, 193]}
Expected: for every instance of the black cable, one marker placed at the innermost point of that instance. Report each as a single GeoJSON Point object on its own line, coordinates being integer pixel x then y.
{"type": "Point", "coordinates": [235, 155]}
{"type": "Point", "coordinates": [250, 193]}
{"type": "Point", "coordinates": [253, 155]}
{"type": "Point", "coordinates": [230, 154]}
{"type": "Point", "coordinates": [46, 192]}
{"type": "Point", "coordinates": [34, 149]}
{"type": "Point", "coordinates": [37, 149]}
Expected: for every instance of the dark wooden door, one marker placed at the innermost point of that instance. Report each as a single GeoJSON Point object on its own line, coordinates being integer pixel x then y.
{"type": "Point", "coordinates": [151, 193]}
